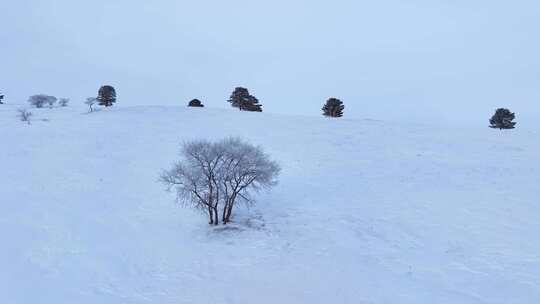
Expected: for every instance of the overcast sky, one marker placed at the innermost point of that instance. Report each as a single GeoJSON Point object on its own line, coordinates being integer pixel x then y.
{"type": "Point", "coordinates": [389, 59]}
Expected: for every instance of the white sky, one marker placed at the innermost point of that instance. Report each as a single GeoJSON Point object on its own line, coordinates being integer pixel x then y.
{"type": "Point", "coordinates": [421, 60]}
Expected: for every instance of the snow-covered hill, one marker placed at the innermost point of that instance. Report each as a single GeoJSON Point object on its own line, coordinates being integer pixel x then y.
{"type": "Point", "coordinates": [366, 212]}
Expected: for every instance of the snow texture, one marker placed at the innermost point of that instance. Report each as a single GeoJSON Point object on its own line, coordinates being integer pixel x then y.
{"type": "Point", "coordinates": [366, 211]}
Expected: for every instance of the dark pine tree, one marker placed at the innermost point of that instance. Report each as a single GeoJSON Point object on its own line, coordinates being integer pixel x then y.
{"type": "Point", "coordinates": [106, 96]}
{"type": "Point", "coordinates": [502, 119]}
{"type": "Point", "coordinates": [241, 99]}
{"type": "Point", "coordinates": [333, 108]}
{"type": "Point", "coordinates": [195, 103]}
{"type": "Point", "coordinates": [1, 98]}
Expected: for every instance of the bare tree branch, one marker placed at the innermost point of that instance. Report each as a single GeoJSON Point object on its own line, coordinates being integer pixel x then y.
{"type": "Point", "coordinates": [212, 176]}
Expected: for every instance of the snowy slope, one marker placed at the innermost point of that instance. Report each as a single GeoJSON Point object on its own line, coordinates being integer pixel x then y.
{"type": "Point", "coordinates": [366, 212]}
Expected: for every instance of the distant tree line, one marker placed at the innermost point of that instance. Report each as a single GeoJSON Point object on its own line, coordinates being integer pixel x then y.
{"type": "Point", "coordinates": [241, 99]}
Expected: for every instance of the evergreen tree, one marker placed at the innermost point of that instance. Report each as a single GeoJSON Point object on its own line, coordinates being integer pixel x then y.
{"type": "Point", "coordinates": [241, 99]}
{"type": "Point", "coordinates": [1, 98]}
{"type": "Point", "coordinates": [502, 119]}
{"type": "Point", "coordinates": [239, 95]}
{"type": "Point", "coordinates": [333, 108]}
{"type": "Point", "coordinates": [106, 96]}
{"type": "Point", "coordinates": [195, 103]}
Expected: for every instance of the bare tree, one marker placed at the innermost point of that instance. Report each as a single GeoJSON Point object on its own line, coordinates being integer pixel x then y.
{"type": "Point", "coordinates": [245, 169]}
{"type": "Point", "coordinates": [215, 176]}
{"type": "Point", "coordinates": [24, 115]}
{"type": "Point", "coordinates": [40, 100]}
{"type": "Point", "coordinates": [63, 102]}
{"type": "Point", "coordinates": [90, 102]}
{"type": "Point", "coordinates": [195, 177]}
{"type": "Point", "coordinates": [51, 100]}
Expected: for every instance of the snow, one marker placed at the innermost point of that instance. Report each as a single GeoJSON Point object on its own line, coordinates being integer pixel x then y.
{"type": "Point", "coordinates": [367, 211]}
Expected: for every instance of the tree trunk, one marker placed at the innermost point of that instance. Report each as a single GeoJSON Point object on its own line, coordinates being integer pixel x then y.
{"type": "Point", "coordinates": [229, 208]}
{"type": "Point", "coordinates": [229, 212]}
{"type": "Point", "coordinates": [210, 213]}
{"type": "Point", "coordinates": [224, 215]}
{"type": "Point", "coordinates": [216, 216]}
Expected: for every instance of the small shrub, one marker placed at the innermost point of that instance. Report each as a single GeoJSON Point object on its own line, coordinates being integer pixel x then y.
{"type": "Point", "coordinates": [195, 103]}
{"type": "Point", "coordinates": [51, 101]}
{"type": "Point", "coordinates": [333, 108]}
{"type": "Point", "coordinates": [63, 102]}
{"type": "Point", "coordinates": [502, 119]}
{"type": "Point", "coordinates": [24, 115]}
